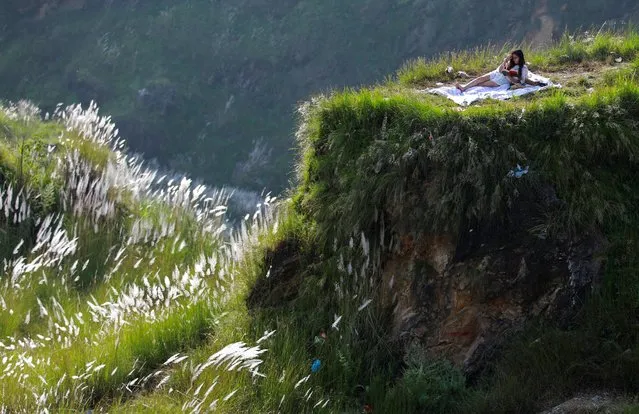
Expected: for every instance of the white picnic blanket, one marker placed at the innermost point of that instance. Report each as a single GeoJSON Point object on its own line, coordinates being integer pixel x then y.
{"type": "Point", "coordinates": [484, 92]}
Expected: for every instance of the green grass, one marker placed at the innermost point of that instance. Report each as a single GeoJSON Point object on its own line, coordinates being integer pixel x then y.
{"type": "Point", "coordinates": [566, 55]}
{"type": "Point", "coordinates": [144, 345]}
{"type": "Point", "coordinates": [471, 61]}
{"type": "Point", "coordinates": [374, 164]}
{"type": "Point", "coordinates": [358, 158]}
{"type": "Point", "coordinates": [602, 47]}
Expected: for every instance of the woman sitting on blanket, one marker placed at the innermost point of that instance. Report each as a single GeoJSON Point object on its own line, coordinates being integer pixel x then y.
{"type": "Point", "coordinates": [512, 71]}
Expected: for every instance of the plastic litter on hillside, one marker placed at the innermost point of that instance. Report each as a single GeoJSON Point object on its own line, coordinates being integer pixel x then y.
{"type": "Point", "coordinates": [518, 172]}
{"type": "Point", "coordinates": [316, 365]}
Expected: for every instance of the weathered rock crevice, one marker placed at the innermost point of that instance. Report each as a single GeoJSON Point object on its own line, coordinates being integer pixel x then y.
{"type": "Point", "coordinates": [283, 277]}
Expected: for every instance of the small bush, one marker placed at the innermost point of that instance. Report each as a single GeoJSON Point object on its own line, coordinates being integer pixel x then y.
{"type": "Point", "coordinates": [427, 386]}
{"type": "Point", "coordinates": [435, 384]}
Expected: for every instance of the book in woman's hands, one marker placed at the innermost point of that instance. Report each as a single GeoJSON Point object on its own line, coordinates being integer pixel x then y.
{"type": "Point", "coordinates": [511, 72]}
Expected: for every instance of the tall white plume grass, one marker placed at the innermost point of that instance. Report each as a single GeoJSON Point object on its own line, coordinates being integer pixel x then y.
{"type": "Point", "coordinates": [171, 218]}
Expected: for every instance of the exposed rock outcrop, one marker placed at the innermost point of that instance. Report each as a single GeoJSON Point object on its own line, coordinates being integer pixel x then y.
{"type": "Point", "coordinates": [590, 404]}
{"type": "Point", "coordinates": [460, 297]}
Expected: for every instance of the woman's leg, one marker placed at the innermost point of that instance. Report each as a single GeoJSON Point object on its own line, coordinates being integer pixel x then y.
{"type": "Point", "coordinates": [480, 81]}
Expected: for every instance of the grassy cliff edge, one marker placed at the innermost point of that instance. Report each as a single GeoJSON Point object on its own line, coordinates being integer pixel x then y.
{"type": "Point", "coordinates": [392, 160]}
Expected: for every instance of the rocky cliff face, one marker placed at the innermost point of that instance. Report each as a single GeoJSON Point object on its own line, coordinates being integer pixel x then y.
{"type": "Point", "coordinates": [462, 299]}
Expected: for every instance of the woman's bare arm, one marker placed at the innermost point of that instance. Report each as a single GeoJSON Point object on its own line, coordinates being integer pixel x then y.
{"type": "Point", "coordinates": [504, 64]}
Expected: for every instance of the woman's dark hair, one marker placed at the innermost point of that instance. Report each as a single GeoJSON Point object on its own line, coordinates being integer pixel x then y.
{"type": "Point", "coordinates": [522, 60]}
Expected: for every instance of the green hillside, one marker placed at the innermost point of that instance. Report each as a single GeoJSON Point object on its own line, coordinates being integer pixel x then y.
{"type": "Point", "coordinates": [121, 291]}
{"type": "Point", "coordinates": [210, 88]}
